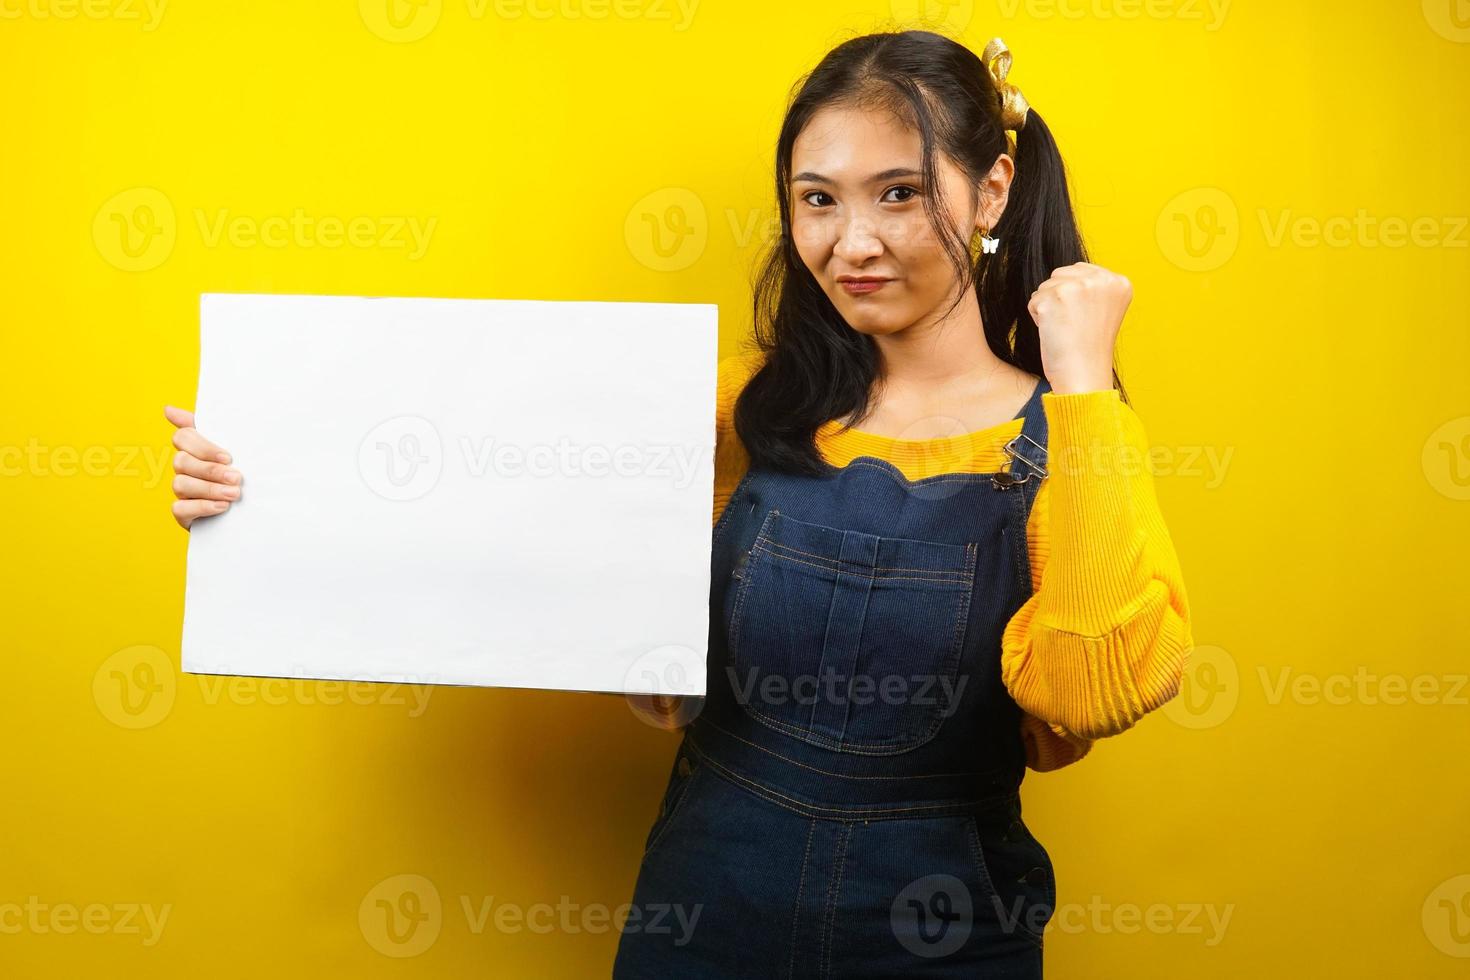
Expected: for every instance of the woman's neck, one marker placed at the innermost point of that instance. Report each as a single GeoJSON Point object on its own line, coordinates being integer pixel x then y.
{"type": "Point", "coordinates": [940, 378]}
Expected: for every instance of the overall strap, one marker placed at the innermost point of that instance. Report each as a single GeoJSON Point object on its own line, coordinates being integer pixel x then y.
{"type": "Point", "coordinates": [1028, 449]}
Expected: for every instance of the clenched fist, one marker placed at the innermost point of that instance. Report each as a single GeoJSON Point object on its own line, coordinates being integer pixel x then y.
{"type": "Point", "coordinates": [1078, 312]}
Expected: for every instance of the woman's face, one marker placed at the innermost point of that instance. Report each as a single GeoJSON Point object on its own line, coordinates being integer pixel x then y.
{"type": "Point", "coordinates": [857, 213]}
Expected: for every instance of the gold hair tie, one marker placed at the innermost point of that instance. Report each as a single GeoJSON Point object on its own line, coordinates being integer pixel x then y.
{"type": "Point", "coordinates": [1013, 105]}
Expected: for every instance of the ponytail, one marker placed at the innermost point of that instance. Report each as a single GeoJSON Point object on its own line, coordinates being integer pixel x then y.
{"type": "Point", "coordinates": [1038, 234]}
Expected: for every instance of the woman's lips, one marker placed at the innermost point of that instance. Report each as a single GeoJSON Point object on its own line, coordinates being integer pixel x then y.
{"type": "Point", "coordinates": [861, 287]}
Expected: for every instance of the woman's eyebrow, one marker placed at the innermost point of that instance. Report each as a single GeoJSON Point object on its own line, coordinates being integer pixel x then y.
{"type": "Point", "coordinates": [817, 178]}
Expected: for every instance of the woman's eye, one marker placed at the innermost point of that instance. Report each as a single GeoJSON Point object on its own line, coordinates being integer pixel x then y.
{"type": "Point", "coordinates": [820, 199]}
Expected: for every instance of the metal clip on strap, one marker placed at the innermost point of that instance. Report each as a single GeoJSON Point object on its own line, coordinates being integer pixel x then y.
{"type": "Point", "coordinates": [1005, 480]}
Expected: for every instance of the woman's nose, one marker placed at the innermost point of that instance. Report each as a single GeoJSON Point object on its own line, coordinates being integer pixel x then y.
{"type": "Point", "coordinates": [858, 240]}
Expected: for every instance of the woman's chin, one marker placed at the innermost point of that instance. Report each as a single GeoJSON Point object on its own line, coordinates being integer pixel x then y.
{"type": "Point", "coordinates": [872, 322]}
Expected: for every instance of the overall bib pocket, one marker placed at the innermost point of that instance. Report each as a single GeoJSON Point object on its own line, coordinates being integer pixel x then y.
{"type": "Point", "coordinates": [847, 640]}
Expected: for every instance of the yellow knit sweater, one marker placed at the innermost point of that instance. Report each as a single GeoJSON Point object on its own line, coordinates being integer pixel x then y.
{"type": "Point", "coordinates": [1105, 636]}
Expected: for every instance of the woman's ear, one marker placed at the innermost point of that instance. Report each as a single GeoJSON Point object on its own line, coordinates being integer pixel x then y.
{"type": "Point", "coordinates": [995, 189]}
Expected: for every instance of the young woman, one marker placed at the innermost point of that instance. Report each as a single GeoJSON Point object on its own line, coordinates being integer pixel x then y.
{"type": "Point", "coordinates": [938, 559]}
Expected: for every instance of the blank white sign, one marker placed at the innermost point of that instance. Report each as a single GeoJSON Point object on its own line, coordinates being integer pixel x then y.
{"type": "Point", "coordinates": [510, 493]}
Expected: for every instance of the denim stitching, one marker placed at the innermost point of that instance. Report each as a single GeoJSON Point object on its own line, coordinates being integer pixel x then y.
{"type": "Point", "coordinates": [735, 614]}
{"type": "Point", "coordinates": [982, 773]}
{"type": "Point", "coordinates": [933, 545]}
{"type": "Point", "coordinates": [873, 463]}
{"type": "Point", "coordinates": [729, 508]}
{"type": "Point", "coordinates": [1019, 542]}
{"type": "Point", "coordinates": [796, 909]}
{"type": "Point", "coordinates": [832, 892]}
{"type": "Point", "coordinates": [680, 796]}
{"type": "Point", "coordinates": [848, 748]}
{"type": "Point", "coordinates": [847, 814]}
{"type": "Point", "coordinates": [860, 568]}
{"type": "Point", "coordinates": [978, 853]}
{"type": "Point", "coordinates": [833, 745]}
{"type": "Point", "coordinates": [867, 597]}
{"type": "Point", "coordinates": [1024, 930]}
{"type": "Point", "coordinates": [1043, 861]}
{"type": "Point", "coordinates": [949, 665]}
{"type": "Point", "coordinates": [943, 576]}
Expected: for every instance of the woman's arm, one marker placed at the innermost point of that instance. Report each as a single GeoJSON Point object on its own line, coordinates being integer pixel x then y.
{"type": "Point", "coordinates": [1106, 635]}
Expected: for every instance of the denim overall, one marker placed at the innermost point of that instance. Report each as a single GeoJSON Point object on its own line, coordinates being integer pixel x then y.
{"type": "Point", "coordinates": [847, 804]}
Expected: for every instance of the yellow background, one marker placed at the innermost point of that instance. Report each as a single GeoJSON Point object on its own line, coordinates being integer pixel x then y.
{"type": "Point", "coordinates": [1324, 373]}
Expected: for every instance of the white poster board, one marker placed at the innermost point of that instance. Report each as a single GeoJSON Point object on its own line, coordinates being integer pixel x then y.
{"type": "Point", "coordinates": [510, 493]}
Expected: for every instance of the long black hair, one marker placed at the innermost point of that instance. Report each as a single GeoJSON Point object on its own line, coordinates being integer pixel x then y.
{"type": "Point", "coordinates": [815, 366]}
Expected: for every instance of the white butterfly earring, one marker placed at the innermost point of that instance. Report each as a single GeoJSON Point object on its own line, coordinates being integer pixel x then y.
{"type": "Point", "coordinates": [988, 245]}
